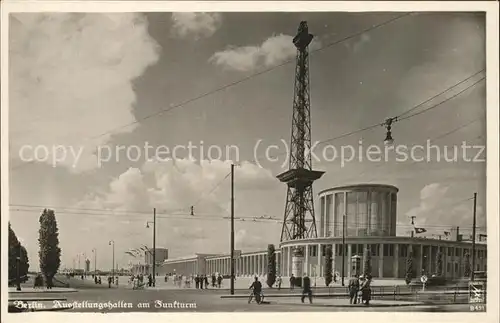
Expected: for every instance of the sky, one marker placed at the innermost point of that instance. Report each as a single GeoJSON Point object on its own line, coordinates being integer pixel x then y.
{"type": "Point", "coordinates": [91, 83]}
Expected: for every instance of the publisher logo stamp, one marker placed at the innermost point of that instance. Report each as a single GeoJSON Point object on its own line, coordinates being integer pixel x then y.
{"type": "Point", "coordinates": [477, 296]}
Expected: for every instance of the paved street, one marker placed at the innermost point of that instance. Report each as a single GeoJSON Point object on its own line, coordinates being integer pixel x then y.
{"type": "Point", "coordinates": [182, 300]}
{"type": "Point", "coordinates": [85, 296]}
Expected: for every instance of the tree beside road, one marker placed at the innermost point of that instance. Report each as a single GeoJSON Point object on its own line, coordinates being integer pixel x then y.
{"type": "Point", "coordinates": [49, 253]}
{"type": "Point", "coordinates": [18, 256]}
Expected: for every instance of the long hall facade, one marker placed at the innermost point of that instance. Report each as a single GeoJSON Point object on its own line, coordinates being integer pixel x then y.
{"type": "Point", "coordinates": [365, 216]}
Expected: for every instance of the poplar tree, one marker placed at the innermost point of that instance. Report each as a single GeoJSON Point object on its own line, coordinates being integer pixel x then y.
{"type": "Point", "coordinates": [271, 265]}
{"type": "Point", "coordinates": [50, 253]}
{"type": "Point", "coordinates": [328, 265]}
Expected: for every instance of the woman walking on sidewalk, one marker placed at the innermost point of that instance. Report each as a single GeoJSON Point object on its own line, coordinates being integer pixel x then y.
{"type": "Point", "coordinates": [365, 289]}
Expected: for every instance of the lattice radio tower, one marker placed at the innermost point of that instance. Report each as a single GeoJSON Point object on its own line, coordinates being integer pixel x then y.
{"type": "Point", "coordinates": [299, 220]}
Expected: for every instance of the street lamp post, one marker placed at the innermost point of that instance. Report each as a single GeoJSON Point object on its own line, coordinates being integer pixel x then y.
{"type": "Point", "coordinates": [343, 247]}
{"type": "Point", "coordinates": [154, 245]}
{"type": "Point", "coordinates": [112, 243]}
{"type": "Point", "coordinates": [232, 231]}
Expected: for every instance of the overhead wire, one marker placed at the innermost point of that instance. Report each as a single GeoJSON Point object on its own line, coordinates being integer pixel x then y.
{"type": "Point", "coordinates": [408, 117]}
{"type": "Point", "coordinates": [229, 85]}
{"type": "Point", "coordinates": [212, 190]}
{"type": "Point", "coordinates": [444, 101]}
{"type": "Point", "coordinates": [441, 93]}
{"type": "Point", "coordinates": [377, 165]}
{"type": "Point", "coordinates": [256, 74]}
{"type": "Point", "coordinates": [331, 139]}
{"type": "Point", "coordinates": [223, 218]}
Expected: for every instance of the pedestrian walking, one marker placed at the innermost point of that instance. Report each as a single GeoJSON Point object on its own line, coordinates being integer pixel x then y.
{"type": "Point", "coordinates": [214, 280]}
{"type": "Point", "coordinates": [278, 282]}
{"type": "Point", "coordinates": [353, 287]}
{"type": "Point", "coordinates": [306, 288]}
{"type": "Point", "coordinates": [292, 282]}
{"type": "Point", "coordinates": [365, 290]}
{"type": "Point", "coordinates": [205, 278]}
{"type": "Point", "coordinates": [219, 281]}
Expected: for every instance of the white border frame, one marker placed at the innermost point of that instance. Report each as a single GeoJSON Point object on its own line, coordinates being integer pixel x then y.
{"type": "Point", "coordinates": [492, 43]}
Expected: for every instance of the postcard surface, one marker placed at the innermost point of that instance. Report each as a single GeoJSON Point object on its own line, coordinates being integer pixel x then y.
{"type": "Point", "coordinates": [241, 158]}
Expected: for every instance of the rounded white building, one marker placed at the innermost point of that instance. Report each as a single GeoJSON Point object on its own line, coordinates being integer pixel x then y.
{"type": "Point", "coordinates": [368, 210]}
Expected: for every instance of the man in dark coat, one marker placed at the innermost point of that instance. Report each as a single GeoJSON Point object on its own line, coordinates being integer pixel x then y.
{"type": "Point", "coordinates": [353, 287]}
{"type": "Point", "coordinates": [214, 280]}
{"type": "Point", "coordinates": [306, 289]}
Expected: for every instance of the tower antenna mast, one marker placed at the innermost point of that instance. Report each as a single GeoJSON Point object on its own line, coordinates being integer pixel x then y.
{"type": "Point", "coordinates": [299, 219]}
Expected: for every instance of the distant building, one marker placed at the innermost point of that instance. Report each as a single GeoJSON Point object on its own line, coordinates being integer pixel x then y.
{"type": "Point", "coordinates": [87, 265]}
{"type": "Point", "coordinates": [370, 211]}
{"type": "Point", "coordinates": [161, 255]}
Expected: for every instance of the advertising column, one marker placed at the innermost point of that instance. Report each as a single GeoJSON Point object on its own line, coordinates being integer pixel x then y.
{"type": "Point", "coordinates": [297, 264]}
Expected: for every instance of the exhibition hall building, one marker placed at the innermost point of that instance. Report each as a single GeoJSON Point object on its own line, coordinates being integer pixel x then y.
{"type": "Point", "coordinates": [363, 219]}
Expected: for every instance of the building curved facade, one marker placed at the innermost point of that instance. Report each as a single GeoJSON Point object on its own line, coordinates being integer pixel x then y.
{"type": "Point", "coordinates": [363, 210]}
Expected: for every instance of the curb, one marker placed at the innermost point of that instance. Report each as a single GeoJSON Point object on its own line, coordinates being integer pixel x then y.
{"type": "Point", "coordinates": [383, 305]}
{"type": "Point", "coordinates": [334, 295]}
{"type": "Point", "coordinates": [69, 290]}
{"type": "Point", "coordinates": [360, 306]}
{"type": "Point", "coordinates": [314, 295]}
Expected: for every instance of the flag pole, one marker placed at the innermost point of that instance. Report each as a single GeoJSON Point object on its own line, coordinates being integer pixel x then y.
{"type": "Point", "coordinates": [474, 238]}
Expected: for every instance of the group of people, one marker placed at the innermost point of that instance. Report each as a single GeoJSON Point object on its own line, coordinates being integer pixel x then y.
{"type": "Point", "coordinates": [97, 279]}
{"type": "Point", "coordinates": [359, 289]}
{"type": "Point", "coordinates": [137, 281]}
{"type": "Point", "coordinates": [256, 287]}
{"type": "Point", "coordinates": [200, 281]}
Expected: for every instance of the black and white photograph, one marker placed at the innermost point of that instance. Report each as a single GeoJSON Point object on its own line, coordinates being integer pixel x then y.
{"type": "Point", "coordinates": [235, 160]}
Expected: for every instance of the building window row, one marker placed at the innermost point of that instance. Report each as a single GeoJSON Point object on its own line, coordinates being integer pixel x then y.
{"type": "Point", "coordinates": [366, 213]}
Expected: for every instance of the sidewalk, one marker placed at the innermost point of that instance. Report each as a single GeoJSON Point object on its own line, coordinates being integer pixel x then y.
{"type": "Point", "coordinates": [31, 290]}
{"type": "Point", "coordinates": [344, 302]}
{"type": "Point", "coordinates": [242, 283]}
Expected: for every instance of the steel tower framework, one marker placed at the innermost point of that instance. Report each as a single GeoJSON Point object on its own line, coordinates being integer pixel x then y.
{"type": "Point", "coordinates": [299, 220]}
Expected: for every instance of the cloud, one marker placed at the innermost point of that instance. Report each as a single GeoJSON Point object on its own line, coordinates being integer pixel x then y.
{"type": "Point", "coordinates": [358, 43]}
{"type": "Point", "coordinates": [71, 78]}
{"type": "Point", "coordinates": [246, 241]}
{"type": "Point", "coordinates": [437, 208]}
{"type": "Point", "coordinates": [196, 24]}
{"type": "Point", "coordinates": [272, 51]}
{"type": "Point", "coordinates": [172, 188]}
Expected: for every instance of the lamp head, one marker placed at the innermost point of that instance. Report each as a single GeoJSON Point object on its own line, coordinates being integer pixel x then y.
{"type": "Point", "coordinates": [388, 141]}
{"type": "Point", "coordinates": [147, 225]}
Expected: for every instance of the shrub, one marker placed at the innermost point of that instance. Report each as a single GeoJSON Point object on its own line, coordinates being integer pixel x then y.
{"type": "Point", "coordinates": [409, 268]}
{"type": "Point", "coordinates": [328, 265]}
{"type": "Point", "coordinates": [368, 262]}
{"type": "Point", "coordinates": [271, 265]}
